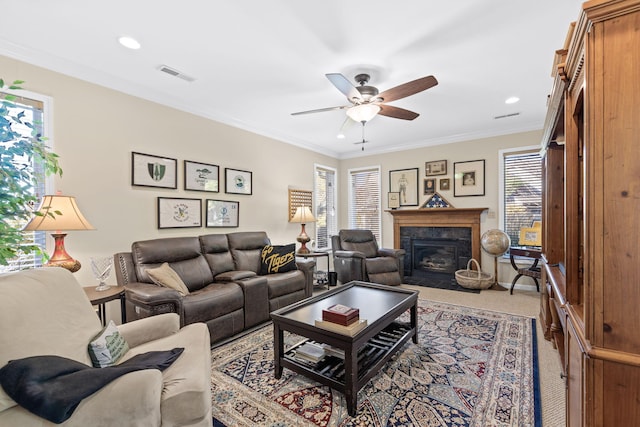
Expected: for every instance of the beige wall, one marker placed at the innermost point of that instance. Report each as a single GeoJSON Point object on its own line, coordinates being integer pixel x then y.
{"type": "Point", "coordinates": [95, 130]}
{"type": "Point", "coordinates": [487, 149]}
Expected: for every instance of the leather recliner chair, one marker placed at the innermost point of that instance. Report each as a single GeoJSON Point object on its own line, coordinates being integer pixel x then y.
{"type": "Point", "coordinates": [356, 256]}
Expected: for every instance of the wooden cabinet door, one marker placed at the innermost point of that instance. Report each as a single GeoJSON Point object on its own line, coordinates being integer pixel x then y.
{"type": "Point", "coordinates": [575, 378]}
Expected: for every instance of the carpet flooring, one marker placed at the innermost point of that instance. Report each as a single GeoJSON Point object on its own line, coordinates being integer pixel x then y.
{"type": "Point", "coordinates": [471, 367]}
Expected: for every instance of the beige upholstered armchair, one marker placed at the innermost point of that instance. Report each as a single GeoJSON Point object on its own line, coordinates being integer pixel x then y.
{"type": "Point", "coordinates": [45, 312]}
{"type": "Point", "coordinates": [356, 256]}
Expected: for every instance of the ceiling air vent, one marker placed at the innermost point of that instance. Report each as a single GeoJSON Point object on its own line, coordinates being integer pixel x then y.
{"type": "Point", "coordinates": [504, 116]}
{"type": "Point", "coordinates": [175, 73]}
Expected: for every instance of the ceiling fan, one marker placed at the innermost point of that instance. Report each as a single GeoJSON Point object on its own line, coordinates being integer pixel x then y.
{"type": "Point", "coordinates": [366, 101]}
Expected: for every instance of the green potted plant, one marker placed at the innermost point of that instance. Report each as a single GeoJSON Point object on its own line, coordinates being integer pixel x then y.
{"type": "Point", "coordinates": [18, 152]}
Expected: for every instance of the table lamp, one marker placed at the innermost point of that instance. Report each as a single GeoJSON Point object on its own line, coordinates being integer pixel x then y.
{"type": "Point", "coordinates": [303, 215]}
{"type": "Point", "coordinates": [59, 213]}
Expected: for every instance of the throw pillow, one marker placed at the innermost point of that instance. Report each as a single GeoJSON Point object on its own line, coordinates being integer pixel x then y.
{"type": "Point", "coordinates": [278, 259]}
{"type": "Point", "coordinates": [107, 347]}
{"type": "Point", "coordinates": [167, 277]}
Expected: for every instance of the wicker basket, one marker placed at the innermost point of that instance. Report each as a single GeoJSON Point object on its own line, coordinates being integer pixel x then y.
{"type": "Point", "coordinates": [472, 279]}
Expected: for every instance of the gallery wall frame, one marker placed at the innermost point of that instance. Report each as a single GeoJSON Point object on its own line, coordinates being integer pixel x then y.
{"type": "Point", "coordinates": [149, 170]}
{"type": "Point", "coordinates": [445, 184]}
{"type": "Point", "coordinates": [405, 182]}
{"type": "Point", "coordinates": [393, 200]}
{"type": "Point", "coordinates": [237, 181]}
{"type": "Point", "coordinates": [222, 213]}
{"type": "Point", "coordinates": [201, 177]}
{"type": "Point", "coordinates": [435, 168]}
{"type": "Point", "coordinates": [177, 212]}
{"type": "Point", "coordinates": [429, 186]}
{"type": "Point", "coordinates": [468, 178]}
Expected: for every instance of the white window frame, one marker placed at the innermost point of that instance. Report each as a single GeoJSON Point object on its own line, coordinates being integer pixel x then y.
{"type": "Point", "coordinates": [350, 174]}
{"type": "Point", "coordinates": [47, 132]}
{"type": "Point", "coordinates": [333, 230]}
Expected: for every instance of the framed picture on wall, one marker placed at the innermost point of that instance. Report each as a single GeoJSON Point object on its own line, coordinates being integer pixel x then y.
{"type": "Point", "coordinates": [148, 170]}
{"type": "Point", "coordinates": [468, 178]}
{"type": "Point", "coordinates": [201, 176]}
{"type": "Point", "coordinates": [405, 182]}
{"type": "Point", "coordinates": [429, 186]}
{"type": "Point", "coordinates": [439, 167]}
{"type": "Point", "coordinates": [445, 184]}
{"type": "Point", "coordinates": [237, 181]}
{"type": "Point", "coordinates": [222, 213]}
{"type": "Point", "coordinates": [174, 212]}
{"type": "Point", "coordinates": [393, 200]}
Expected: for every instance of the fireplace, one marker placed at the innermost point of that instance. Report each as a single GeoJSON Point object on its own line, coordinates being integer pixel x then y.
{"type": "Point", "coordinates": [438, 242]}
{"type": "Point", "coordinates": [435, 252]}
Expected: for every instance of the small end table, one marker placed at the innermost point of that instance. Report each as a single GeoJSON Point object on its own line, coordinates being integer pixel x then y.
{"type": "Point", "coordinates": [101, 298]}
{"type": "Point", "coordinates": [318, 255]}
{"type": "Point", "coordinates": [532, 271]}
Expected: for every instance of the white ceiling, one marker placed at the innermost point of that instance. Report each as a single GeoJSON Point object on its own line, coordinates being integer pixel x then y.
{"type": "Point", "coordinates": [255, 61]}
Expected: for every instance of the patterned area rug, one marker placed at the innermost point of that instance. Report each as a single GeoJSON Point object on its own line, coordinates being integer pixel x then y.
{"type": "Point", "coordinates": [470, 368]}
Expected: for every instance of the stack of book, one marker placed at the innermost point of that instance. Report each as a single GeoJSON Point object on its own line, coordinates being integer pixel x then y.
{"type": "Point", "coordinates": [342, 319]}
{"type": "Point", "coordinates": [310, 352]}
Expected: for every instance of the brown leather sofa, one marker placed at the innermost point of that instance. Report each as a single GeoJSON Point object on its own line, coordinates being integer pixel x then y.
{"type": "Point", "coordinates": [222, 273]}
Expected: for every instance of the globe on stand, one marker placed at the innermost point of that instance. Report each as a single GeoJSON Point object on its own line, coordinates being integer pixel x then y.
{"type": "Point", "coordinates": [495, 243]}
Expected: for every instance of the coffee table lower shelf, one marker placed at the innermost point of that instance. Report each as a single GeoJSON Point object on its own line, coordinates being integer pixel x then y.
{"type": "Point", "coordinates": [375, 353]}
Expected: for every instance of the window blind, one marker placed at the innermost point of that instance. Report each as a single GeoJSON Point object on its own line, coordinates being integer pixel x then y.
{"type": "Point", "coordinates": [364, 203]}
{"type": "Point", "coordinates": [325, 202]}
{"type": "Point", "coordinates": [522, 192]}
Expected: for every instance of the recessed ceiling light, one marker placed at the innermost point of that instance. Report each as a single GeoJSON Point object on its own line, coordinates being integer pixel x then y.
{"type": "Point", "coordinates": [129, 42]}
{"type": "Point", "coordinates": [340, 136]}
{"type": "Point", "coordinates": [512, 100]}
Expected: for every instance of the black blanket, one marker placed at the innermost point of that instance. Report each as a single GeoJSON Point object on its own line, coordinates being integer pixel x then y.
{"type": "Point", "coordinates": [53, 386]}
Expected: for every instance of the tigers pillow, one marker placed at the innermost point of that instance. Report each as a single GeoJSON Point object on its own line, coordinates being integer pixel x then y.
{"type": "Point", "coordinates": [278, 259]}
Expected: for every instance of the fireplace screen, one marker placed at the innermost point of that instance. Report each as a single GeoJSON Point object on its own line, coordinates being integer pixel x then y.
{"type": "Point", "coordinates": [439, 258]}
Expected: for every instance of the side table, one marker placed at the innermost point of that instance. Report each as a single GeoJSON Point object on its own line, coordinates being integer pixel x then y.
{"type": "Point", "coordinates": [318, 255]}
{"type": "Point", "coordinates": [101, 298]}
{"type": "Point", "coordinates": [532, 271]}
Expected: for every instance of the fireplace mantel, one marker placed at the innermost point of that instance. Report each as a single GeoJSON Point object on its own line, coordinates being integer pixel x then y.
{"type": "Point", "coordinates": [439, 217]}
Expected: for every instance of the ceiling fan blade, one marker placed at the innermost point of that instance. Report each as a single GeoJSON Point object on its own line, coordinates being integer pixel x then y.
{"type": "Point", "coordinates": [344, 86]}
{"type": "Point", "coordinates": [346, 125]}
{"type": "Point", "coordinates": [407, 89]}
{"type": "Point", "coordinates": [320, 110]}
{"type": "Point", "coordinates": [396, 112]}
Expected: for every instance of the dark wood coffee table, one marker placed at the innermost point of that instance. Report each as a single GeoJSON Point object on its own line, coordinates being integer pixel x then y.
{"type": "Point", "coordinates": [365, 353]}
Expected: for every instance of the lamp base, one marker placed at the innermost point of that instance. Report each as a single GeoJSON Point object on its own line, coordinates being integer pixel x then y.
{"type": "Point", "coordinates": [303, 238]}
{"type": "Point", "coordinates": [60, 257]}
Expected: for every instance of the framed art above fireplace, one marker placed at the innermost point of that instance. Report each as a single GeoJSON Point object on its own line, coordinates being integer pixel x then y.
{"type": "Point", "coordinates": [468, 178]}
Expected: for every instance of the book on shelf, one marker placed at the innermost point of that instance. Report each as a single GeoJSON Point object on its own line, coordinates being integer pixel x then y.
{"type": "Point", "coordinates": [341, 314]}
{"type": "Point", "coordinates": [350, 330]}
{"type": "Point", "coordinates": [310, 351]}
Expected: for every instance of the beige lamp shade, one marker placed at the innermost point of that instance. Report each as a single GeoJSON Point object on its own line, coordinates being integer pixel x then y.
{"type": "Point", "coordinates": [303, 215]}
{"type": "Point", "coordinates": [59, 213]}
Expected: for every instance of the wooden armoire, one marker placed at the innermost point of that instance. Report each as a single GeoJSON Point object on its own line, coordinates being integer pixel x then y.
{"type": "Point", "coordinates": [590, 304]}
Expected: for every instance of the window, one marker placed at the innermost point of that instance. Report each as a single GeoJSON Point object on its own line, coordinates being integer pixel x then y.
{"type": "Point", "coordinates": [364, 200]}
{"type": "Point", "coordinates": [325, 194]}
{"type": "Point", "coordinates": [33, 107]}
{"type": "Point", "coordinates": [520, 190]}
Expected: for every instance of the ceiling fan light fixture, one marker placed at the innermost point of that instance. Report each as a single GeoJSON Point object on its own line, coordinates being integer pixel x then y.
{"type": "Point", "coordinates": [363, 112]}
